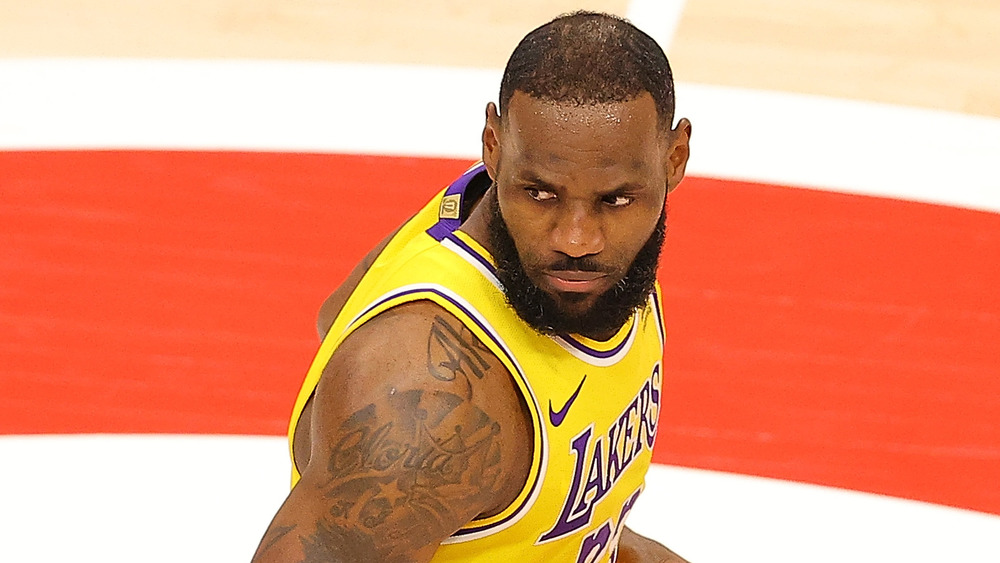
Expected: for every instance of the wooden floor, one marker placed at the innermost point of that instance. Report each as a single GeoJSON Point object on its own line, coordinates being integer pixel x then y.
{"type": "Point", "coordinates": [942, 54]}
{"type": "Point", "coordinates": [932, 53]}
{"type": "Point", "coordinates": [160, 269]}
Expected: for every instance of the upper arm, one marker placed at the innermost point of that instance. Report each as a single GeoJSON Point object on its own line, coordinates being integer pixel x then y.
{"type": "Point", "coordinates": [416, 430]}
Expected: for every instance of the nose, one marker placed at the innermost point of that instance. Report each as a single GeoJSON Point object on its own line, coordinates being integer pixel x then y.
{"type": "Point", "coordinates": [578, 232]}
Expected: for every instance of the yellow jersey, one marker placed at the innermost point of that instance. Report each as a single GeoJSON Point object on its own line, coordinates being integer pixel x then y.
{"type": "Point", "coordinates": [594, 405]}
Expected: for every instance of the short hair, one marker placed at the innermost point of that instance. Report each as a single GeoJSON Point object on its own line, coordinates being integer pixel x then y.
{"type": "Point", "coordinates": [588, 58]}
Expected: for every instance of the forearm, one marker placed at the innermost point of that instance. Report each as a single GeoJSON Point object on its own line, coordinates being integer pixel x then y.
{"type": "Point", "coordinates": [633, 548]}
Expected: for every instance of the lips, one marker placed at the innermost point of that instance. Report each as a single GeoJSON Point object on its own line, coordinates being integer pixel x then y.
{"type": "Point", "coordinates": [575, 281]}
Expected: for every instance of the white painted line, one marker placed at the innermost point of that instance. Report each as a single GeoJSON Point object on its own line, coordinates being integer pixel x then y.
{"type": "Point", "coordinates": [243, 105]}
{"type": "Point", "coordinates": [771, 137]}
{"type": "Point", "coordinates": [843, 145]}
{"type": "Point", "coordinates": [126, 498]}
{"type": "Point", "coordinates": [711, 517]}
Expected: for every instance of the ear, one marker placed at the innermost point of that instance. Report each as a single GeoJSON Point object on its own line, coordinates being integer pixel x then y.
{"type": "Point", "coordinates": [491, 140]}
{"type": "Point", "coordinates": [680, 150]}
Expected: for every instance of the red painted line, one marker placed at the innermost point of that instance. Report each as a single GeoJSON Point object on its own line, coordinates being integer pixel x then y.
{"type": "Point", "coordinates": [834, 339]}
{"type": "Point", "coordinates": [813, 336]}
{"type": "Point", "coordinates": [176, 291]}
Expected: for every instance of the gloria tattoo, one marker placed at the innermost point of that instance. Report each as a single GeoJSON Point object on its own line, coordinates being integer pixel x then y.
{"type": "Point", "coordinates": [400, 471]}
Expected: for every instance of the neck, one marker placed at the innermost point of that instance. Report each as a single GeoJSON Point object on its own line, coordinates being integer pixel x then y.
{"type": "Point", "coordinates": [477, 223]}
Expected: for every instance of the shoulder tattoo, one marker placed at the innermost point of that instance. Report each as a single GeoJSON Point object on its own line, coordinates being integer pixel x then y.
{"type": "Point", "coordinates": [453, 352]}
{"type": "Point", "coordinates": [400, 472]}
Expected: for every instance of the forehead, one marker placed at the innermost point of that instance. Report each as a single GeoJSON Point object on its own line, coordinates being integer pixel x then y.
{"type": "Point", "coordinates": [625, 133]}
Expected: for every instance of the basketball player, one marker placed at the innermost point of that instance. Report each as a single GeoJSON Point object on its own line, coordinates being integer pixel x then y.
{"type": "Point", "coordinates": [489, 384]}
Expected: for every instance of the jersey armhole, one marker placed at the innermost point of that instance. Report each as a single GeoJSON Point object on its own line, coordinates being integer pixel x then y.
{"type": "Point", "coordinates": [477, 323]}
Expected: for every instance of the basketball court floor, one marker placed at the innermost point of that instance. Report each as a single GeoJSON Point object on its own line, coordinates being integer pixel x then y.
{"type": "Point", "coordinates": [182, 184]}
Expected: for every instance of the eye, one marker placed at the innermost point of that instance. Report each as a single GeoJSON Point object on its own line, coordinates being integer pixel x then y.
{"type": "Point", "coordinates": [617, 200]}
{"type": "Point", "coordinates": [538, 194]}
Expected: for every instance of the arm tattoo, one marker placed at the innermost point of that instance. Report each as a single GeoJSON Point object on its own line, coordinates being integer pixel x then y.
{"type": "Point", "coordinates": [398, 474]}
{"type": "Point", "coordinates": [451, 352]}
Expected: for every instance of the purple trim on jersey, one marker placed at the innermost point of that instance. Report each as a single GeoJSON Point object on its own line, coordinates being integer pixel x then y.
{"type": "Point", "coordinates": [593, 351]}
{"type": "Point", "coordinates": [657, 308]}
{"type": "Point", "coordinates": [566, 337]}
{"type": "Point", "coordinates": [445, 227]}
{"type": "Point", "coordinates": [493, 337]}
{"type": "Point", "coordinates": [472, 252]}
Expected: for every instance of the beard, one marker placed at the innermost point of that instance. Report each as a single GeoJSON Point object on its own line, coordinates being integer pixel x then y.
{"type": "Point", "coordinates": [611, 310]}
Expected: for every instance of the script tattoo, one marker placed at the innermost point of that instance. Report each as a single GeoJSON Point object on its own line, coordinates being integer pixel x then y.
{"type": "Point", "coordinates": [400, 471]}
{"type": "Point", "coordinates": [451, 352]}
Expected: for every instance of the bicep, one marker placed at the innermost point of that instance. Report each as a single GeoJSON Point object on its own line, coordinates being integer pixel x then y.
{"type": "Point", "coordinates": [404, 471]}
{"type": "Point", "coordinates": [402, 454]}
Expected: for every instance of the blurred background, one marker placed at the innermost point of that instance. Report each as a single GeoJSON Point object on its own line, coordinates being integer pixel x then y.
{"type": "Point", "coordinates": [183, 183]}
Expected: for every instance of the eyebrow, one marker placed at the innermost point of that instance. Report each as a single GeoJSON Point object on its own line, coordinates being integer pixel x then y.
{"type": "Point", "coordinates": [533, 178]}
{"type": "Point", "coordinates": [628, 187]}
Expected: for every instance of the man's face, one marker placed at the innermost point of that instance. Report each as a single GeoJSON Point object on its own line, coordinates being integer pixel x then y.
{"type": "Point", "coordinates": [543, 310]}
{"type": "Point", "coordinates": [580, 195]}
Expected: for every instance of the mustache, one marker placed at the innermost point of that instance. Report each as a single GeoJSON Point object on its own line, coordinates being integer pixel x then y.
{"type": "Point", "coordinates": [580, 264]}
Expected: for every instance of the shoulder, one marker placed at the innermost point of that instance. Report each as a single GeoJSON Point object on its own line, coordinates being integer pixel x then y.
{"type": "Point", "coordinates": [413, 436]}
{"type": "Point", "coordinates": [417, 378]}
{"type": "Point", "coordinates": [418, 346]}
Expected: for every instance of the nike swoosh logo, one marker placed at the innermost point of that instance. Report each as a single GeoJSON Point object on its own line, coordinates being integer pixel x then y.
{"type": "Point", "coordinates": [556, 417]}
